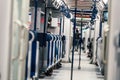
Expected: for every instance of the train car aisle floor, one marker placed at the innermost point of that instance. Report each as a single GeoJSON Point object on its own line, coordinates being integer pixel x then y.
{"type": "Point", "coordinates": [87, 71]}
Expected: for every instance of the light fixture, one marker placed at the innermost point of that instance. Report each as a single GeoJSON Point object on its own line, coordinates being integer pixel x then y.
{"type": "Point", "coordinates": [105, 1]}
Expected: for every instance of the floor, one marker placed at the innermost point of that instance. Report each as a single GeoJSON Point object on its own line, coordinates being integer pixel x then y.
{"type": "Point", "coordinates": [87, 71]}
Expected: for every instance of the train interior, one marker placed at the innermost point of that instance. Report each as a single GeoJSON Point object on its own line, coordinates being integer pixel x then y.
{"type": "Point", "coordinates": [59, 40]}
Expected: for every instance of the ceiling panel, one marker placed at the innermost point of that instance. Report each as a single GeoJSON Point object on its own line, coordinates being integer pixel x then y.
{"type": "Point", "coordinates": [81, 4]}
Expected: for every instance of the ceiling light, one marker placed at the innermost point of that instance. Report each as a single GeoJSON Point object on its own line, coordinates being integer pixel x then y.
{"type": "Point", "coordinates": [105, 1]}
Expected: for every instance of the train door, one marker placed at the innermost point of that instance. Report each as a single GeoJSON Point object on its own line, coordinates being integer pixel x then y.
{"type": "Point", "coordinates": [19, 39]}
{"type": "Point", "coordinates": [105, 48]}
{"type": "Point", "coordinates": [113, 67]}
{"type": "Point", "coordinates": [14, 40]}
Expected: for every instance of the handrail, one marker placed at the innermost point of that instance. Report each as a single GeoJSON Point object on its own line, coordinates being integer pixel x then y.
{"type": "Point", "coordinates": [24, 57]}
{"type": "Point", "coordinates": [37, 59]}
{"type": "Point", "coordinates": [18, 22]}
{"type": "Point", "coordinates": [29, 55]}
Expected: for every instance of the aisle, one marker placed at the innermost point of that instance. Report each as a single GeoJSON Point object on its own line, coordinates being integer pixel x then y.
{"type": "Point", "coordinates": [87, 72]}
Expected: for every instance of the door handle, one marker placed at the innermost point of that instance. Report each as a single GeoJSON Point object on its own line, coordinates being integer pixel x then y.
{"type": "Point", "coordinates": [18, 23]}
{"type": "Point", "coordinates": [23, 55]}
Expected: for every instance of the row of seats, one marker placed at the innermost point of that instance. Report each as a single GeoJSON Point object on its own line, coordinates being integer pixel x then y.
{"type": "Point", "coordinates": [44, 54]}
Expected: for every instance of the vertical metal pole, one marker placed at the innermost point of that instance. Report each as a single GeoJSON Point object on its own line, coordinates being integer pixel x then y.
{"type": "Point", "coordinates": [60, 26]}
{"type": "Point", "coordinates": [100, 28]}
{"type": "Point", "coordinates": [73, 40]}
{"type": "Point", "coordinates": [63, 24]}
{"type": "Point", "coordinates": [35, 18]}
{"type": "Point", "coordinates": [44, 38]}
{"type": "Point", "coordinates": [45, 21]}
{"type": "Point", "coordinates": [79, 67]}
{"type": "Point", "coordinates": [90, 31]}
